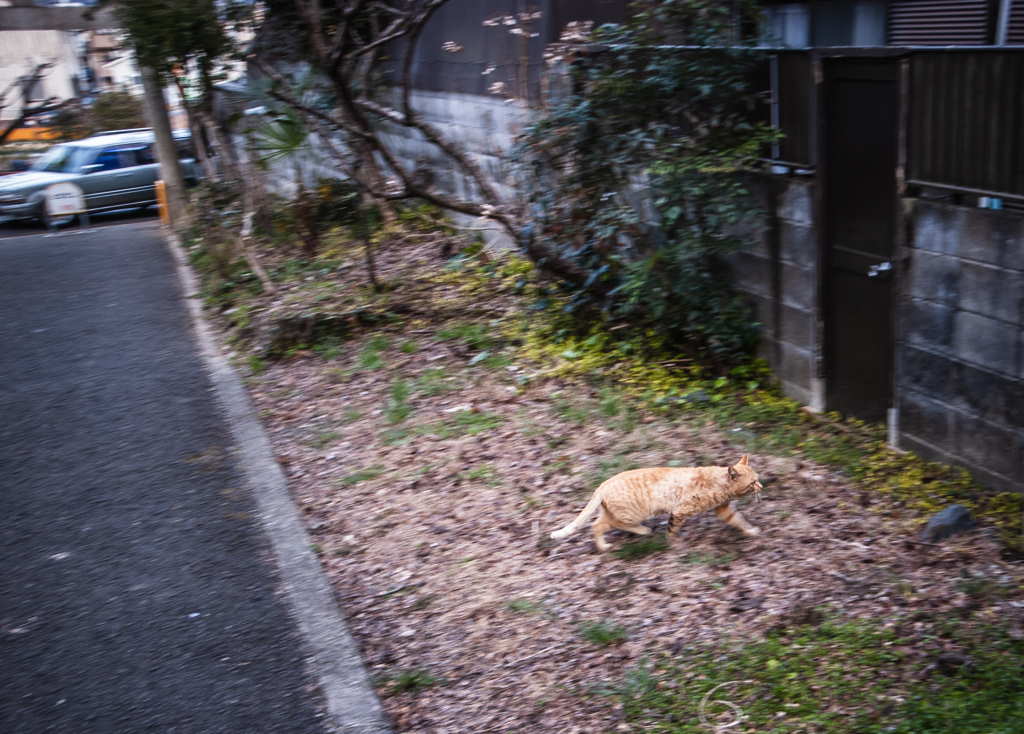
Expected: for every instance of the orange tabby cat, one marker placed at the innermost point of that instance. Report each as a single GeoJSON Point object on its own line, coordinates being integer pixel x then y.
{"type": "Point", "coordinates": [628, 498]}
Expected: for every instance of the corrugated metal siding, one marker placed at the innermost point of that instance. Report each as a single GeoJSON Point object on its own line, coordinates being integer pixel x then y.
{"type": "Point", "coordinates": [966, 123]}
{"type": "Point", "coordinates": [1015, 28]}
{"type": "Point", "coordinates": [939, 23]}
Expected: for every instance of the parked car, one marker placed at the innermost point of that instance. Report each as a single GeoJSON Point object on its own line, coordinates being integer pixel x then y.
{"type": "Point", "coordinates": [115, 170]}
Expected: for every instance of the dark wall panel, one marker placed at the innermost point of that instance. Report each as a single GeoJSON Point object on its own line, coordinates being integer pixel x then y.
{"type": "Point", "coordinates": [965, 123]}
{"type": "Point", "coordinates": [794, 96]}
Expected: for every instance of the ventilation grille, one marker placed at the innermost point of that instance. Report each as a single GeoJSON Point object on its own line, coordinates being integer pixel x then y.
{"type": "Point", "coordinates": [1015, 28]}
{"type": "Point", "coordinates": [938, 23]}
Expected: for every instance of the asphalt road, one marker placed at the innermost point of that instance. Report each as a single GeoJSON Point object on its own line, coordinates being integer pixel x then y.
{"type": "Point", "coordinates": [137, 590]}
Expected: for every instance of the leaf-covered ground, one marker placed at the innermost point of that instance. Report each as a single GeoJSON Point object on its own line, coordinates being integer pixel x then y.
{"type": "Point", "coordinates": [433, 454]}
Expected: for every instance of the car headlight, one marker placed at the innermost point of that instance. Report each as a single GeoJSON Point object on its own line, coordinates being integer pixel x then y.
{"type": "Point", "coordinates": [12, 198]}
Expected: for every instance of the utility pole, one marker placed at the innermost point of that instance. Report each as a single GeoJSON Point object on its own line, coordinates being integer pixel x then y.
{"type": "Point", "coordinates": [166, 151]}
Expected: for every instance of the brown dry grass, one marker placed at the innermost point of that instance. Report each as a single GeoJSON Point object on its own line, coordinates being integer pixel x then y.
{"type": "Point", "coordinates": [435, 537]}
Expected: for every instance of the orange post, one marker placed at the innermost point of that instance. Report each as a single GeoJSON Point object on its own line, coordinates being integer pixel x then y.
{"type": "Point", "coordinates": [161, 202]}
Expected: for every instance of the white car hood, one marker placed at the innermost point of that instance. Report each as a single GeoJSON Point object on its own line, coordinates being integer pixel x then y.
{"type": "Point", "coordinates": [32, 180]}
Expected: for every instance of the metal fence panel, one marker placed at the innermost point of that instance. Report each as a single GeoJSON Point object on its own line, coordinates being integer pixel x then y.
{"type": "Point", "coordinates": [965, 123]}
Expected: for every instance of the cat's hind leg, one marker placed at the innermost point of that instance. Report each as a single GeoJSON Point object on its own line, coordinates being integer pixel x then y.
{"type": "Point", "coordinates": [675, 521]}
{"type": "Point", "coordinates": [638, 529]}
{"type": "Point", "coordinates": [602, 525]}
{"type": "Point", "coordinates": [731, 515]}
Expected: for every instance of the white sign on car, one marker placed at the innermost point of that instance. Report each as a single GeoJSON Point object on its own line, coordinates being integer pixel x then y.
{"type": "Point", "coordinates": [64, 199]}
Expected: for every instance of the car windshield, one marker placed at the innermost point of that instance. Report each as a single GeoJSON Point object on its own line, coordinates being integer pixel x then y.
{"type": "Point", "coordinates": [61, 159]}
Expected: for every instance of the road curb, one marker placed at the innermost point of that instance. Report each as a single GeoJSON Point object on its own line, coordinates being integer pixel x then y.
{"type": "Point", "coordinates": [351, 701]}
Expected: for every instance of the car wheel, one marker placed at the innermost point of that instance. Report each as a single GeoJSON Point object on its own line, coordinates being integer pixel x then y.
{"type": "Point", "coordinates": [57, 222]}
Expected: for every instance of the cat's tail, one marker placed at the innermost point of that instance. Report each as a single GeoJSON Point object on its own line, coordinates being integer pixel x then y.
{"type": "Point", "coordinates": [572, 527]}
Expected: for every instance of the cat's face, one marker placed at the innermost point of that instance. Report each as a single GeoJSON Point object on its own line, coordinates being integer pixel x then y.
{"type": "Point", "coordinates": [744, 479]}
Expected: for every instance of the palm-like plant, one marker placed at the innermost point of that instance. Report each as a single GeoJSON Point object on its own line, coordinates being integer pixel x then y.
{"type": "Point", "coordinates": [286, 139]}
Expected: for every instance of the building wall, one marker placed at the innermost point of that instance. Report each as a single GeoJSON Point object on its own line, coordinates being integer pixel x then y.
{"type": "Point", "coordinates": [20, 51]}
{"type": "Point", "coordinates": [960, 348]}
{"type": "Point", "coordinates": [484, 126]}
{"type": "Point", "coordinates": [777, 275]}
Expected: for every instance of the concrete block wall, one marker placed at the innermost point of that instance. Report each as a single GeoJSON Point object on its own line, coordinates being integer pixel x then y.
{"type": "Point", "coordinates": [485, 128]}
{"type": "Point", "coordinates": [960, 348]}
{"type": "Point", "coordinates": [777, 275]}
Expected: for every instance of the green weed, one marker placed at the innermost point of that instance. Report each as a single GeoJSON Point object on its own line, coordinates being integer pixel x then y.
{"type": "Point", "coordinates": [364, 475]}
{"type": "Point", "coordinates": [398, 409]}
{"type": "Point", "coordinates": [370, 360]}
{"type": "Point", "coordinates": [707, 559]}
{"type": "Point", "coordinates": [571, 411]}
{"type": "Point", "coordinates": [408, 347]}
{"type": "Point", "coordinates": [608, 468]}
{"type": "Point", "coordinates": [611, 403]}
{"type": "Point", "coordinates": [369, 357]}
{"type": "Point", "coordinates": [323, 438]}
{"type": "Point", "coordinates": [256, 365]}
{"type": "Point", "coordinates": [465, 422]}
{"type": "Point", "coordinates": [434, 381]}
{"type": "Point", "coordinates": [474, 336]}
{"type": "Point", "coordinates": [644, 546]}
{"type": "Point", "coordinates": [602, 633]}
{"type": "Point", "coordinates": [848, 678]}
{"type": "Point", "coordinates": [480, 473]}
{"type": "Point", "coordinates": [328, 348]}
{"type": "Point", "coordinates": [394, 436]}
{"type": "Point", "coordinates": [497, 361]}
{"type": "Point", "coordinates": [411, 681]}
{"type": "Point", "coordinates": [337, 375]}
{"type": "Point", "coordinates": [525, 606]}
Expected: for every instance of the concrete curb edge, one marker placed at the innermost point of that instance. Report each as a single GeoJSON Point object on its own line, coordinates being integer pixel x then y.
{"type": "Point", "coordinates": [351, 701]}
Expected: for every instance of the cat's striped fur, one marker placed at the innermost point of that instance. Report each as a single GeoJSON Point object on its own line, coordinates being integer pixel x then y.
{"type": "Point", "coordinates": [629, 498]}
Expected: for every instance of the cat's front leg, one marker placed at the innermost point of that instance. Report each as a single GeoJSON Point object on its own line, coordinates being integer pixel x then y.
{"type": "Point", "coordinates": [675, 521]}
{"type": "Point", "coordinates": [731, 515]}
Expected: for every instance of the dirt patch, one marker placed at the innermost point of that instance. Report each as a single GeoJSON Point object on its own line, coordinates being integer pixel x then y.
{"type": "Point", "coordinates": [430, 462]}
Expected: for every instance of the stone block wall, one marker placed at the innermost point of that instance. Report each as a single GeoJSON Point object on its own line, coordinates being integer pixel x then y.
{"type": "Point", "coordinates": [485, 127]}
{"type": "Point", "coordinates": [960, 340]}
{"type": "Point", "coordinates": [777, 275]}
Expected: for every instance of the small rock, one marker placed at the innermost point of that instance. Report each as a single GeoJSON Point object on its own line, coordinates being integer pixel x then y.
{"type": "Point", "coordinates": [697, 396]}
{"type": "Point", "coordinates": [952, 662]}
{"type": "Point", "coordinates": [743, 604]}
{"type": "Point", "coordinates": [951, 521]}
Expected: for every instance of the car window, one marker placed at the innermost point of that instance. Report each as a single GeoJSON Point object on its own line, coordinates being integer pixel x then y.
{"type": "Point", "coordinates": [61, 159]}
{"type": "Point", "coordinates": [144, 155]}
{"type": "Point", "coordinates": [110, 159]}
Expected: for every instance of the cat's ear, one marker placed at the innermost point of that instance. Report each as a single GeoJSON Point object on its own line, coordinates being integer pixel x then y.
{"type": "Point", "coordinates": [733, 474]}
{"type": "Point", "coordinates": [743, 461]}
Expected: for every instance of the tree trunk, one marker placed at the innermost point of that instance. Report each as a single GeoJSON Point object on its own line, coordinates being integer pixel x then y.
{"type": "Point", "coordinates": [223, 148]}
{"type": "Point", "coordinates": [166, 150]}
{"type": "Point", "coordinates": [364, 231]}
{"type": "Point", "coordinates": [376, 180]}
{"type": "Point", "coordinates": [198, 143]}
{"type": "Point", "coordinates": [310, 237]}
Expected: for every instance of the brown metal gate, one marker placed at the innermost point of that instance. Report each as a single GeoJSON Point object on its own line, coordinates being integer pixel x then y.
{"type": "Point", "coordinates": [860, 141]}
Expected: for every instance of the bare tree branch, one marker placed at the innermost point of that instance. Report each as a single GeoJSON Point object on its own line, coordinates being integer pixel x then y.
{"type": "Point", "coordinates": [24, 85]}
{"type": "Point", "coordinates": [310, 12]}
{"type": "Point", "coordinates": [349, 63]}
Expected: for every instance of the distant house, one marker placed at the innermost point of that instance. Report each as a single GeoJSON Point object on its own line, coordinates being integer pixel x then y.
{"type": "Point", "coordinates": [112, 63]}
{"type": "Point", "coordinates": [21, 51]}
